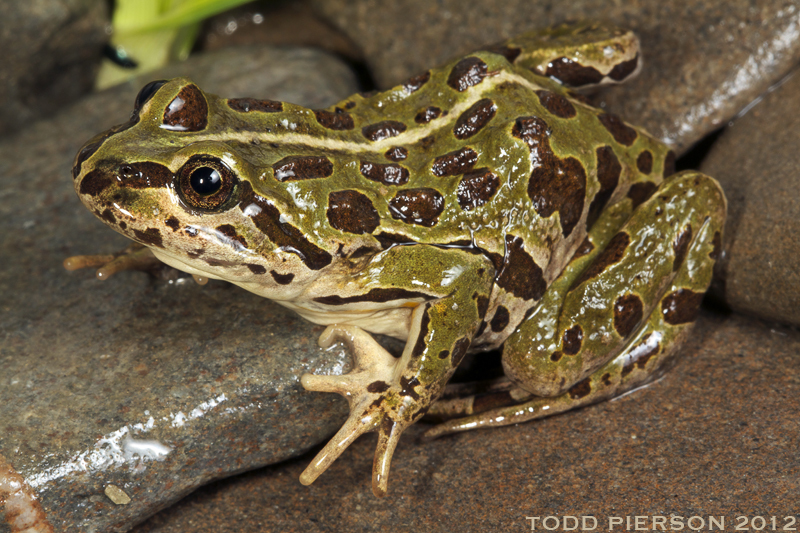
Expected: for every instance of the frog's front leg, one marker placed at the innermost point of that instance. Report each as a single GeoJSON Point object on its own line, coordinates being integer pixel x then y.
{"type": "Point", "coordinates": [388, 394]}
{"type": "Point", "coordinates": [616, 315]}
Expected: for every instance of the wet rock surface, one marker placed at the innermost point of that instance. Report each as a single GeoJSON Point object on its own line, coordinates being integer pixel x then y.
{"type": "Point", "coordinates": [139, 388]}
{"type": "Point", "coordinates": [51, 52]}
{"type": "Point", "coordinates": [715, 437]}
{"type": "Point", "coordinates": [703, 61]}
{"type": "Point", "coordinates": [758, 164]}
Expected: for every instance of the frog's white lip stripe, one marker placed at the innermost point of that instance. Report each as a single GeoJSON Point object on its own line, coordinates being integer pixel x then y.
{"type": "Point", "coordinates": [22, 508]}
{"type": "Point", "coordinates": [410, 136]}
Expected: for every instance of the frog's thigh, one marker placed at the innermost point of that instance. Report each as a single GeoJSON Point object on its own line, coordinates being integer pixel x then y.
{"type": "Point", "coordinates": [659, 279]}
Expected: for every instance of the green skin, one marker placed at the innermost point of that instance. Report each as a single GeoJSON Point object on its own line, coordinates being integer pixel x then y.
{"type": "Point", "coordinates": [510, 213]}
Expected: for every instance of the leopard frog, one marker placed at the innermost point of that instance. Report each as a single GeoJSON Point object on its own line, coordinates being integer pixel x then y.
{"type": "Point", "coordinates": [479, 205]}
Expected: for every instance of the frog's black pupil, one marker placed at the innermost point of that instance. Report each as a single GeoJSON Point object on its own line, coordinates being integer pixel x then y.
{"type": "Point", "coordinates": [148, 91]}
{"type": "Point", "coordinates": [205, 181]}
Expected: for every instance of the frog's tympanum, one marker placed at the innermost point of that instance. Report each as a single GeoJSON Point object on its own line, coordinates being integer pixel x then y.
{"type": "Point", "coordinates": [478, 205]}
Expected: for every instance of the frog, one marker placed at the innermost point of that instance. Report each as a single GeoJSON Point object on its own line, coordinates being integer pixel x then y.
{"type": "Point", "coordinates": [482, 205]}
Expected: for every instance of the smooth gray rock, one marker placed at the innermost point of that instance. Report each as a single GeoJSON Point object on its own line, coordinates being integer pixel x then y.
{"type": "Point", "coordinates": [51, 50]}
{"type": "Point", "coordinates": [758, 164]}
{"type": "Point", "coordinates": [154, 387]}
{"type": "Point", "coordinates": [703, 61]}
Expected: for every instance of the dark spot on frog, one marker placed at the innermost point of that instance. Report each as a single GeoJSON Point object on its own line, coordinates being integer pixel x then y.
{"type": "Point", "coordinates": [466, 73]}
{"type": "Point", "coordinates": [349, 105]}
{"type": "Point", "coordinates": [455, 162]}
{"type": "Point", "coordinates": [606, 379]}
{"type": "Point", "coordinates": [426, 115]}
{"type": "Point", "coordinates": [621, 132]}
{"type": "Point", "coordinates": [476, 188]}
{"type": "Point", "coordinates": [493, 400]}
{"type": "Point", "coordinates": [338, 120]}
{"type": "Point", "coordinates": [572, 340]}
{"type": "Point", "coordinates": [363, 251]}
{"type": "Point", "coordinates": [194, 254]}
{"type": "Point", "coordinates": [420, 345]}
{"type": "Point", "coordinates": [377, 387]}
{"type": "Point", "coordinates": [641, 353]}
{"type": "Point", "coordinates": [500, 319]}
{"type": "Point", "coordinates": [511, 53]}
{"type": "Point", "coordinates": [681, 247]}
{"type": "Point", "coordinates": [396, 153]}
{"type": "Point", "coordinates": [483, 304]}
{"type": "Point", "coordinates": [245, 105]}
{"type": "Point", "coordinates": [417, 206]}
{"type": "Point", "coordinates": [459, 351]}
{"type": "Point", "coordinates": [640, 192]}
{"type": "Point", "coordinates": [414, 83]}
{"type": "Point", "coordinates": [256, 269]}
{"type": "Point", "coordinates": [150, 236]}
{"type": "Point", "coordinates": [173, 223]}
{"type": "Point", "coordinates": [556, 104]}
{"type": "Point", "coordinates": [123, 225]}
{"type": "Point", "coordinates": [669, 164]}
{"type": "Point", "coordinates": [352, 212]}
{"type": "Point", "coordinates": [145, 175]}
{"type": "Point", "coordinates": [374, 295]}
{"type": "Point", "coordinates": [407, 387]}
{"type": "Point", "coordinates": [628, 313]}
{"type": "Point", "coordinates": [387, 240]}
{"type": "Point", "coordinates": [624, 69]}
{"type": "Point", "coordinates": [584, 248]}
{"type": "Point", "coordinates": [281, 279]}
{"type": "Point", "coordinates": [519, 274]}
{"type": "Point", "coordinates": [555, 184]}
{"type": "Point", "coordinates": [644, 162]}
{"type": "Point", "coordinates": [388, 174]}
{"type": "Point", "coordinates": [474, 119]}
{"type": "Point", "coordinates": [608, 172]}
{"type": "Point", "coordinates": [581, 389]}
{"type": "Point", "coordinates": [282, 234]}
{"type": "Point", "coordinates": [94, 183]}
{"type": "Point", "coordinates": [108, 216]}
{"type": "Point", "coordinates": [383, 130]}
{"type": "Point", "coordinates": [302, 168]}
{"type": "Point", "coordinates": [717, 244]}
{"type": "Point", "coordinates": [556, 356]}
{"type": "Point", "coordinates": [481, 328]}
{"type": "Point", "coordinates": [681, 306]}
{"type": "Point", "coordinates": [230, 232]}
{"type": "Point", "coordinates": [188, 111]}
{"type": "Point", "coordinates": [427, 142]}
{"type": "Point", "coordinates": [572, 73]}
{"type": "Point", "coordinates": [444, 354]}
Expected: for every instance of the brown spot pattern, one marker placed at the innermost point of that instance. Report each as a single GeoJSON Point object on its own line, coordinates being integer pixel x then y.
{"type": "Point", "coordinates": [681, 306]}
{"type": "Point", "coordinates": [230, 232]}
{"type": "Point", "coordinates": [420, 345]}
{"type": "Point", "coordinates": [387, 240]}
{"type": "Point", "coordinates": [520, 275]}
{"type": "Point", "coordinates": [374, 295]}
{"type": "Point", "coordinates": [426, 115]}
{"type": "Point", "coordinates": [383, 130]}
{"type": "Point", "coordinates": [94, 183]}
{"type": "Point", "coordinates": [388, 174]}
{"type": "Point", "coordinates": [474, 119]}
{"type": "Point", "coordinates": [621, 132]}
{"type": "Point", "coordinates": [256, 269]}
{"type": "Point", "coordinates": [407, 388]}
{"type": "Point", "coordinates": [644, 162]}
{"type": "Point", "coordinates": [396, 153]}
{"type": "Point", "coordinates": [476, 188]}
{"type": "Point", "coordinates": [628, 313]}
{"type": "Point", "coordinates": [352, 212]}
{"type": "Point", "coordinates": [572, 73]}
{"type": "Point", "coordinates": [454, 163]}
{"type": "Point", "coordinates": [173, 223]}
{"type": "Point", "coordinates": [413, 84]}
{"type": "Point", "coordinates": [681, 247]}
{"type": "Point", "coordinates": [483, 304]}
{"type": "Point", "coordinates": [377, 387]}
{"type": "Point", "coordinates": [717, 244]}
{"type": "Point", "coordinates": [281, 279]}
{"type": "Point", "coordinates": [584, 248]}
{"type": "Point", "coordinates": [640, 192]}
{"type": "Point", "coordinates": [295, 168]}
{"type": "Point", "coordinates": [467, 73]}
{"type": "Point", "coordinates": [500, 319]}
{"type": "Point", "coordinates": [417, 206]}
{"type": "Point", "coordinates": [556, 104]}
{"type": "Point", "coordinates": [144, 175]}
{"type": "Point", "coordinates": [338, 120]}
{"type": "Point", "coordinates": [459, 351]}
{"type": "Point", "coordinates": [581, 389]}
{"type": "Point", "coordinates": [555, 184]}
{"type": "Point", "coordinates": [608, 173]}
{"type": "Point", "coordinates": [624, 69]}
{"type": "Point", "coordinates": [285, 236]}
{"type": "Point", "coordinates": [245, 105]}
{"type": "Point", "coordinates": [572, 340]}
{"type": "Point", "coordinates": [556, 356]}
{"type": "Point", "coordinates": [150, 236]}
{"type": "Point", "coordinates": [669, 164]}
{"type": "Point", "coordinates": [188, 111]}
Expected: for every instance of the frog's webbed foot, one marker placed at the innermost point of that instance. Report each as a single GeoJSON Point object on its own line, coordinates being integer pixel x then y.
{"type": "Point", "coordinates": [376, 402]}
{"type": "Point", "coordinates": [134, 257]}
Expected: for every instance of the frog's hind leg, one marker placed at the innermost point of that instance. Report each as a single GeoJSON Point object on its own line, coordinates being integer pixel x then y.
{"type": "Point", "coordinates": [614, 317]}
{"type": "Point", "coordinates": [576, 55]}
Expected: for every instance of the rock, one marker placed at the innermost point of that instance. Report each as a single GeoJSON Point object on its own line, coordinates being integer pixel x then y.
{"type": "Point", "coordinates": [51, 52]}
{"type": "Point", "coordinates": [703, 61]}
{"type": "Point", "coordinates": [716, 436]}
{"type": "Point", "coordinates": [758, 164]}
{"type": "Point", "coordinates": [137, 388]}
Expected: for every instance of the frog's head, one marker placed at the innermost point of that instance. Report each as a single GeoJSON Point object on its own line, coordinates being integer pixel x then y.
{"type": "Point", "coordinates": [172, 178]}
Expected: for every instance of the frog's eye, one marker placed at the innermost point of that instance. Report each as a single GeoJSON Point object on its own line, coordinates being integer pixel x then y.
{"type": "Point", "coordinates": [206, 183]}
{"type": "Point", "coordinates": [146, 93]}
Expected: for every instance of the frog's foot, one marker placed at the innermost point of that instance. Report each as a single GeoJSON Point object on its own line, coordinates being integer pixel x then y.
{"type": "Point", "coordinates": [376, 402]}
{"type": "Point", "coordinates": [134, 257]}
